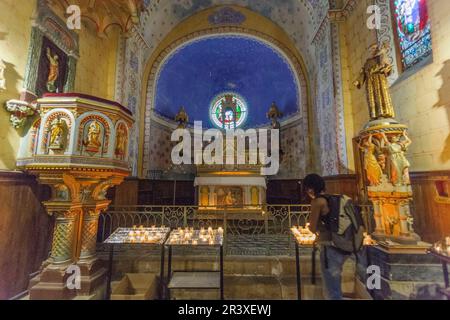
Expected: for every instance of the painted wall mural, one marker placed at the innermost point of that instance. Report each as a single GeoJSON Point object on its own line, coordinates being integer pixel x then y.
{"type": "Point", "coordinates": [201, 70]}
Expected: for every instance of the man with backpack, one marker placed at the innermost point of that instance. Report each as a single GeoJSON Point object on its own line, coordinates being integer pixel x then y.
{"type": "Point", "coordinates": [340, 228]}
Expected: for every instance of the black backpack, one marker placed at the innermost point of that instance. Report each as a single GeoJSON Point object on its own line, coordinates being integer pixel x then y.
{"type": "Point", "coordinates": [345, 223]}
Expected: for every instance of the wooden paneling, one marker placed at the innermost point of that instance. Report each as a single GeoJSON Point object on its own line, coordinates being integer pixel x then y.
{"type": "Point", "coordinates": [25, 231]}
{"type": "Point", "coordinates": [283, 192]}
{"type": "Point", "coordinates": [432, 217]}
{"type": "Point", "coordinates": [126, 194]}
{"type": "Point", "coordinates": [342, 184]}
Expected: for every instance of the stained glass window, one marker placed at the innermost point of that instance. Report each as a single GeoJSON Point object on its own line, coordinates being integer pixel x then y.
{"type": "Point", "coordinates": [413, 30]}
{"type": "Point", "coordinates": [228, 111]}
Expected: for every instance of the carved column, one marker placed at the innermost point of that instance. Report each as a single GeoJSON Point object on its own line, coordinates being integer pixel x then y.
{"type": "Point", "coordinates": [63, 237]}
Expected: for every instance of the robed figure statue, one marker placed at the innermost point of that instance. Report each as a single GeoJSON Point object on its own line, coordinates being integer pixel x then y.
{"type": "Point", "coordinates": [374, 75]}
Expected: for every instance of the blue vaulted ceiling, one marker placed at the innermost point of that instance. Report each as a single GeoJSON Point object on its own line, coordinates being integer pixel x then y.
{"type": "Point", "coordinates": [196, 73]}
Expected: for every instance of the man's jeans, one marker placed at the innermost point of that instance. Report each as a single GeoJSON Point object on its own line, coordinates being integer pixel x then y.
{"type": "Point", "coordinates": [331, 276]}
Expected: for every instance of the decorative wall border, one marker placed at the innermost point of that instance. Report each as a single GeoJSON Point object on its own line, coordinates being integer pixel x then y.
{"type": "Point", "coordinates": [386, 34]}
{"type": "Point", "coordinates": [341, 15]}
{"type": "Point", "coordinates": [224, 30]}
{"type": "Point", "coordinates": [341, 138]}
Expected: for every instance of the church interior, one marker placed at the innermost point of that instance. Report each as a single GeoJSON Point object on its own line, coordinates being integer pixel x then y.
{"type": "Point", "coordinates": [157, 149]}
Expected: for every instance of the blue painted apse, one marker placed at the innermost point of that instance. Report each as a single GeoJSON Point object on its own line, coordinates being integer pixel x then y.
{"type": "Point", "coordinates": [196, 73]}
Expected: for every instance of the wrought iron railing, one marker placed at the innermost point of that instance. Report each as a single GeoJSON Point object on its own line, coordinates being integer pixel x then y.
{"type": "Point", "coordinates": [245, 221]}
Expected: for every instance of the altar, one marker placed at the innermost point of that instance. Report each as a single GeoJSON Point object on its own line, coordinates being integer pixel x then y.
{"type": "Point", "coordinates": [231, 188]}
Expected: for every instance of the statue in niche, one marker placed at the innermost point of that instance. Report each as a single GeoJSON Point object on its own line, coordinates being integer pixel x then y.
{"type": "Point", "coordinates": [182, 118]}
{"type": "Point", "coordinates": [398, 165]}
{"type": "Point", "coordinates": [58, 131]}
{"type": "Point", "coordinates": [372, 166]}
{"type": "Point", "coordinates": [53, 72]}
{"type": "Point", "coordinates": [374, 75]}
{"type": "Point", "coordinates": [2, 75]}
{"type": "Point", "coordinates": [93, 143]}
{"type": "Point", "coordinates": [273, 115]}
{"type": "Point", "coordinates": [121, 142]}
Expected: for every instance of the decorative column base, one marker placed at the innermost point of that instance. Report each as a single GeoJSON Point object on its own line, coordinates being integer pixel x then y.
{"type": "Point", "coordinates": [93, 278]}
{"type": "Point", "coordinates": [51, 284]}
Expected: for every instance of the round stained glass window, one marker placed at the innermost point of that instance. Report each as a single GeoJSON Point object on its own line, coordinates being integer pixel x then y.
{"type": "Point", "coordinates": [228, 111]}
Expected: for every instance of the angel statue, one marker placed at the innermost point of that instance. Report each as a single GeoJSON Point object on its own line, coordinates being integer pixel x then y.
{"type": "Point", "coordinates": [372, 166]}
{"type": "Point", "coordinates": [396, 147]}
{"type": "Point", "coordinates": [273, 115]}
{"type": "Point", "coordinates": [182, 118]}
{"type": "Point", "coordinates": [374, 75]}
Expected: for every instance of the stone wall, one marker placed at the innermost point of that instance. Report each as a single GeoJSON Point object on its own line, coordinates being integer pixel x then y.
{"type": "Point", "coordinates": [421, 96]}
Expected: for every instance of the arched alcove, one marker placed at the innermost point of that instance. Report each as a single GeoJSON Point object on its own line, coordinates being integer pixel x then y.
{"type": "Point", "coordinates": [199, 27]}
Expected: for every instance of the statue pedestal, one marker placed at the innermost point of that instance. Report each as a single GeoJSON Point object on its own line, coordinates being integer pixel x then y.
{"type": "Point", "coordinates": [384, 172]}
{"type": "Point", "coordinates": [405, 271]}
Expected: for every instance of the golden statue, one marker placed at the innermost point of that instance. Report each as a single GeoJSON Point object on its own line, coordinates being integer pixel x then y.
{"type": "Point", "coordinates": [182, 118]}
{"type": "Point", "coordinates": [372, 167]}
{"type": "Point", "coordinates": [121, 142]}
{"type": "Point", "coordinates": [273, 115]}
{"type": "Point", "coordinates": [398, 165]}
{"type": "Point", "coordinates": [93, 143]}
{"type": "Point", "coordinates": [53, 72]}
{"type": "Point", "coordinates": [57, 131]}
{"type": "Point", "coordinates": [374, 74]}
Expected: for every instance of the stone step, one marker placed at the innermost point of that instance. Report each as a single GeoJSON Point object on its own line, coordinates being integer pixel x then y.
{"type": "Point", "coordinates": [263, 288]}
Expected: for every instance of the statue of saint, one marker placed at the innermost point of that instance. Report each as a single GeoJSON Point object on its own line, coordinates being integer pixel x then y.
{"type": "Point", "coordinates": [182, 118]}
{"type": "Point", "coordinates": [273, 115]}
{"type": "Point", "coordinates": [374, 75]}
{"type": "Point", "coordinates": [398, 165]}
{"type": "Point", "coordinates": [53, 72]}
{"type": "Point", "coordinates": [121, 142]}
{"type": "Point", "coordinates": [93, 143]}
{"type": "Point", "coordinates": [373, 169]}
{"type": "Point", "coordinates": [57, 131]}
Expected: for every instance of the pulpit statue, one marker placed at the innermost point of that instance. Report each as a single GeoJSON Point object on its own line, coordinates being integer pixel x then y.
{"type": "Point", "coordinates": [53, 71]}
{"type": "Point", "coordinates": [57, 134]}
{"type": "Point", "coordinates": [182, 118]}
{"type": "Point", "coordinates": [93, 143]}
{"type": "Point", "coordinates": [374, 75]}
